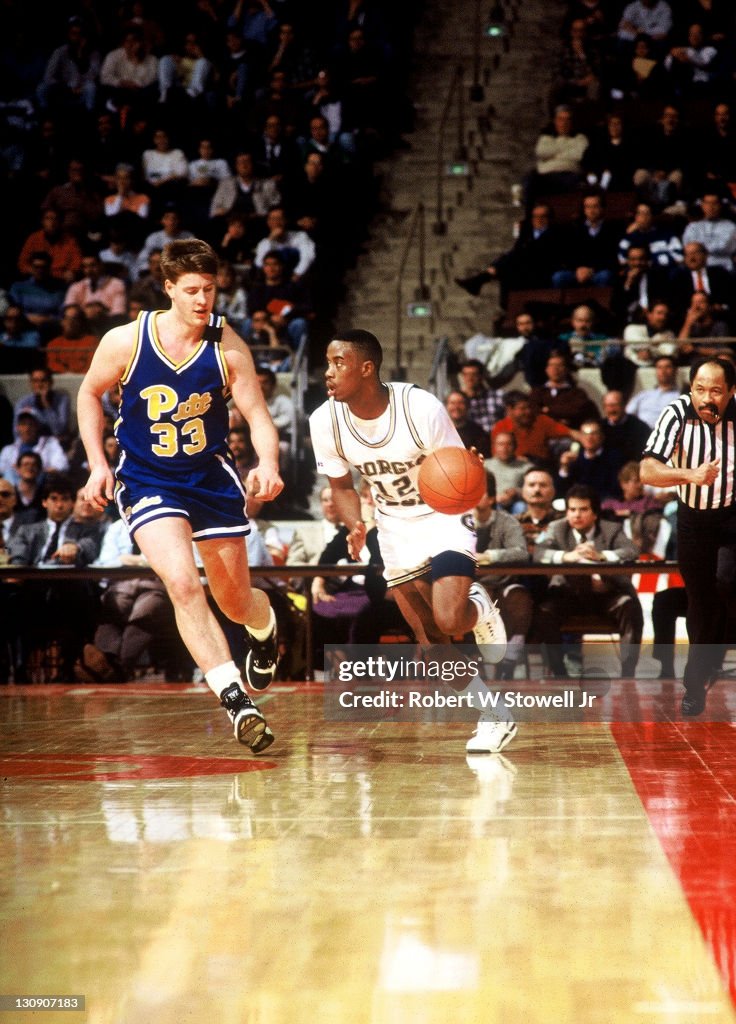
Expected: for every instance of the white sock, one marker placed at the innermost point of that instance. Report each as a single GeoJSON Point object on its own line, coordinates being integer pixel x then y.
{"type": "Point", "coordinates": [222, 676]}
{"type": "Point", "coordinates": [480, 606]}
{"type": "Point", "coordinates": [515, 648]}
{"type": "Point", "coordinates": [476, 687]}
{"type": "Point", "coordinates": [488, 713]}
{"type": "Point", "coordinates": [263, 634]}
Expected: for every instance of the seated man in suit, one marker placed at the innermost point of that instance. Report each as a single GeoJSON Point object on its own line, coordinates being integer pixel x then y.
{"type": "Point", "coordinates": [136, 617]}
{"type": "Point", "coordinates": [589, 255]}
{"type": "Point", "coordinates": [56, 613]}
{"type": "Point", "coordinates": [696, 276]}
{"type": "Point", "coordinates": [583, 537]}
{"type": "Point", "coordinates": [595, 465]}
{"type": "Point", "coordinates": [622, 431]}
{"type": "Point", "coordinates": [637, 288]}
{"type": "Point", "coordinates": [306, 547]}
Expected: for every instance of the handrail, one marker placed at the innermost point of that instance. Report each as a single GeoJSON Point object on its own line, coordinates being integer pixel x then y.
{"type": "Point", "coordinates": [440, 226]}
{"type": "Point", "coordinates": [662, 347]}
{"type": "Point", "coordinates": [299, 384]}
{"type": "Point", "coordinates": [416, 222]}
{"type": "Point", "coordinates": [21, 573]}
{"type": "Point", "coordinates": [438, 375]}
{"type": "Point", "coordinates": [476, 90]}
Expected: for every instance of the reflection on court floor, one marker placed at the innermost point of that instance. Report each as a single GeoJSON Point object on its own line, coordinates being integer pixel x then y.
{"type": "Point", "coordinates": [366, 872]}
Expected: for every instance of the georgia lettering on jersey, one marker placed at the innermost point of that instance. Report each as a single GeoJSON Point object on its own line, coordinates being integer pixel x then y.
{"type": "Point", "coordinates": [393, 483]}
{"type": "Point", "coordinates": [386, 451]}
{"type": "Point", "coordinates": [172, 411]}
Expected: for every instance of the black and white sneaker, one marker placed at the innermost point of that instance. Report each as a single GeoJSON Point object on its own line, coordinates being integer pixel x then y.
{"type": "Point", "coordinates": [261, 660]}
{"type": "Point", "coordinates": [249, 725]}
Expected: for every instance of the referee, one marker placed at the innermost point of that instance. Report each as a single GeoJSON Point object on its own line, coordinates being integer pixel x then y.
{"type": "Point", "coordinates": [693, 448]}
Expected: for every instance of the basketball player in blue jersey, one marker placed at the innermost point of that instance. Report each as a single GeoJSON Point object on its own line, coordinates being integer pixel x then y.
{"type": "Point", "coordinates": [176, 482]}
{"type": "Point", "coordinates": [384, 431]}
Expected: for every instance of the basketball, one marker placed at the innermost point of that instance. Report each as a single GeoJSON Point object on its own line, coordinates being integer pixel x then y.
{"type": "Point", "coordinates": [452, 480]}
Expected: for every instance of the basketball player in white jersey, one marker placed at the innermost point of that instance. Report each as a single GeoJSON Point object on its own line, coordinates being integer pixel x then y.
{"type": "Point", "coordinates": [384, 431]}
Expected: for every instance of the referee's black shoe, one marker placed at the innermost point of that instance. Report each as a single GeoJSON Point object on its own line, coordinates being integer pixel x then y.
{"type": "Point", "coordinates": [693, 703]}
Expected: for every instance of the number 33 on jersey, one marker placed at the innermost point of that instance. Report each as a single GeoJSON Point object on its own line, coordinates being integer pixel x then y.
{"type": "Point", "coordinates": [183, 415]}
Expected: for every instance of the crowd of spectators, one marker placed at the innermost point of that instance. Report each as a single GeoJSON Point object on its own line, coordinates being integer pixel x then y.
{"type": "Point", "coordinates": [257, 129]}
{"type": "Point", "coordinates": [641, 127]}
{"type": "Point", "coordinates": [631, 202]}
{"type": "Point", "coordinates": [64, 629]}
{"type": "Point", "coordinates": [624, 262]}
{"type": "Point", "coordinates": [254, 124]}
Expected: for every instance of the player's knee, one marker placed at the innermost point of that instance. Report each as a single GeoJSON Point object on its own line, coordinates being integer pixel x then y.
{"type": "Point", "coordinates": [183, 588]}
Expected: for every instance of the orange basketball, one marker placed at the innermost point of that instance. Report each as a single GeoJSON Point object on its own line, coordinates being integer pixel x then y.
{"type": "Point", "coordinates": [452, 480]}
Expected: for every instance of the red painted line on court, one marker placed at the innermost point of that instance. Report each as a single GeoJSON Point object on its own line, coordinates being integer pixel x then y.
{"type": "Point", "coordinates": [685, 775]}
{"type": "Point", "coordinates": [138, 689]}
{"type": "Point", "coordinates": [119, 767]}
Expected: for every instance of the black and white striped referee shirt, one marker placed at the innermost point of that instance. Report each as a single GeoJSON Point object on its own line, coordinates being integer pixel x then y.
{"type": "Point", "coordinates": [683, 440]}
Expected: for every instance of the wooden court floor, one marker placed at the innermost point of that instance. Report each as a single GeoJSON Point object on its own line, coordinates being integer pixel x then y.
{"type": "Point", "coordinates": [360, 873]}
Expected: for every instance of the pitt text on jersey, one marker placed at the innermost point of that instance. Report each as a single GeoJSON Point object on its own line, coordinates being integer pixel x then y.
{"type": "Point", "coordinates": [161, 399]}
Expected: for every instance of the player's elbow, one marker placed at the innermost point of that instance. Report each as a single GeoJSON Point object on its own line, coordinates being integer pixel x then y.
{"type": "Point", "coordinates": [648, 469]}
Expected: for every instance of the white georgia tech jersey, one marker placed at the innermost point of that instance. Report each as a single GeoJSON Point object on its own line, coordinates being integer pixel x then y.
{"type": "Point", "coordinates": [386, 451]}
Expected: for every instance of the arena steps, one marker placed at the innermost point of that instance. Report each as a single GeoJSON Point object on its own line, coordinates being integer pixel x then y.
{"type": "Point", "coordinates": [479, 217]}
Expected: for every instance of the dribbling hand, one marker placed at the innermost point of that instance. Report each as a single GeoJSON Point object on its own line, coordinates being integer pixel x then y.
{"type": "Point", "coordinates": [475, 451]}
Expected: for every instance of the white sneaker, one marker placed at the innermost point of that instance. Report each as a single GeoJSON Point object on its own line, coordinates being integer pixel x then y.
{"type": "Point", "coordinates": [489, 631]}
{"type": "Point", "coordinates": [490, 736]}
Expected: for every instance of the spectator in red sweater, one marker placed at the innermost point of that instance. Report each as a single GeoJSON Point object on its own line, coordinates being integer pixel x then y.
{"type": "Point", "coordinates": [532, 431]}
{"type": "Point", "coordinates": [62, 247]}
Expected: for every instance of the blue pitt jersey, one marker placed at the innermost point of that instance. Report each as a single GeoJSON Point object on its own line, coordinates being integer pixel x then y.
{"type": "Point", "coordinates": [173, 417]}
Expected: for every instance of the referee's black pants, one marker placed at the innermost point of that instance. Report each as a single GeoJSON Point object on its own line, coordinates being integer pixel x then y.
{"type": "Point", "coordinates": [706, 553]}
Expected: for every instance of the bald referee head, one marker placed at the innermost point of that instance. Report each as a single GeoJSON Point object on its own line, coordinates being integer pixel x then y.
{"type": "Point", "coordinates": [712, 386]}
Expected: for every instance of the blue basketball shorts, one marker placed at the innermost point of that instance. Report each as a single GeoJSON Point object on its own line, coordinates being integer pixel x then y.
{"type": "Point", "coordinates": [212, 500]}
